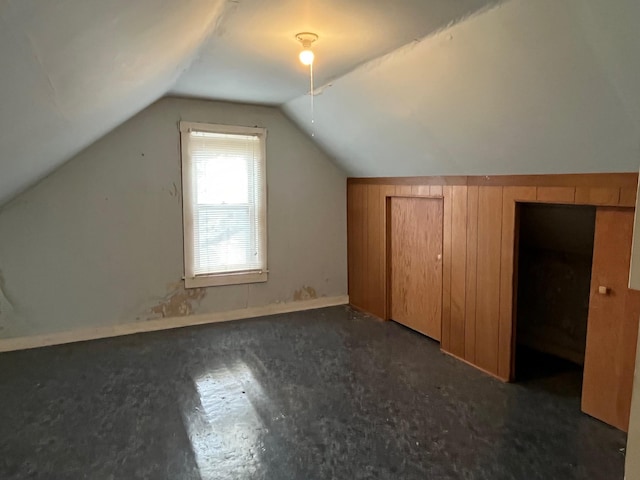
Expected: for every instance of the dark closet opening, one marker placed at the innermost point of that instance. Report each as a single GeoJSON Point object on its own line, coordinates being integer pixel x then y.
{"type": "Point", "coordinates": [555, 250]}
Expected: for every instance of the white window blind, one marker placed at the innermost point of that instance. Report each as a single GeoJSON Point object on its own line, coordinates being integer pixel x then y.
{"type": "Point", "coordinates": [225, 189]}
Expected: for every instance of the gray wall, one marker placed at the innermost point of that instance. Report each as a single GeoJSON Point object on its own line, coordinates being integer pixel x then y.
{"type": "Point", "coordinates": [99, 242]}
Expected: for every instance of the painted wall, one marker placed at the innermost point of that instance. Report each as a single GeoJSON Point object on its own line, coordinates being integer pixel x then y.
{"type": "Point", "coordinates": [526, 87]}
{"type": "Point", "coordinates": [100, 241]}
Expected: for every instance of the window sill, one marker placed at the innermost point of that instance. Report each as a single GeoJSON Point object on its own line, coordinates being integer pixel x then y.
{"type": "Point", "coordinates": [229, 279]}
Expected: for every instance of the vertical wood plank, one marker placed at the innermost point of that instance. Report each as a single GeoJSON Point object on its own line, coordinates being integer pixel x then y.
{"type": "Point", "coordinates": [510, 195]}
{"type": "Point", "coordinates": [358, 245]}
{"type": "Point", "coordinates": [385, 191]}
{"type": "Point", "coordinates": [488, 277]}
{"type": "Point", "coordinates": [598, 195]}
{"type": "Point", "coordinates": [421, 190]}
{"type": "Point", "coordinates": [436, 190]}
{"type": "Point", "coordinates": [628, 197]}
{"type": "Point", "coordinates": [403, 190]}
{"type": "Point", "coordinates": [375, 252]}
{"type": "Point", "coordinates": [556, 194]}
{"type": "Point", "coordinates": [446, 270]}
{"type": "Point", "coordinates": [351, 240]}
{"type": "Point", "coordinates": [458, 269]}
{"type": "Point", "coordinates": [471, 285]}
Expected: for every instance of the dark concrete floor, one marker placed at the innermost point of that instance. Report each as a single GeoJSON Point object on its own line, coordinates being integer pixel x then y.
{"type": "Point", "coordinates": [327, 394]}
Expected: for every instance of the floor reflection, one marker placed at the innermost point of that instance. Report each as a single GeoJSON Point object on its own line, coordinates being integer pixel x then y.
{"type": "Point", "coordinates": [224, 428]}
{"type": "Point", "coordinates": [328, 394]}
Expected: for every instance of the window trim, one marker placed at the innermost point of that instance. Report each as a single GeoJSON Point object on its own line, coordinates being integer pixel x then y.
{"type": "Point", "coordinates": [235, 278]}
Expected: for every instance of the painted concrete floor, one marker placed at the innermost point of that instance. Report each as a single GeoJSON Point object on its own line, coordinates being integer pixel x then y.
{"type": "Point", "coordinates": [327, 394]}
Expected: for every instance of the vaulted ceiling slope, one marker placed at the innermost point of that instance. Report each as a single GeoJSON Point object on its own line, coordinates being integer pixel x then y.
{"type": "Point", "coordinates": [414, 87]}
{"type": "Point", "coordinates": [527, 87]}
{"type": "Point", "coordinates": [72, 70]}
{"type": "Point", "coordinates": [252, 56]}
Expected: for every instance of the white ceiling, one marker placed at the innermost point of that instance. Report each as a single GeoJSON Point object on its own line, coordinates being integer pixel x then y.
{"type": "Point", "coordinates": [528, 87]}
{"type": "Point", "coordinates": [75, 69]}
{"type": "Point", "coordinates": [251, 57]}
{"type": "Point", "coordinates": [72, 70]}
{"type": "Point", "coordinates": [517, 87]}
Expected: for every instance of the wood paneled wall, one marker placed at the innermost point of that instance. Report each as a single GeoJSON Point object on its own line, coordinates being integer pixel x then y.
{"type": "Point", "coordinates": [478, 251]}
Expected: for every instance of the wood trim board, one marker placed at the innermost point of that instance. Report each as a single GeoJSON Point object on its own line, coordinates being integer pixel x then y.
{"type": "Point", "coordinates": [608, 180]}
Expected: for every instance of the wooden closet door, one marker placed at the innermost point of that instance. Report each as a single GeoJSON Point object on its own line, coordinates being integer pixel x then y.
{"type": "Point", "coordinates": [612, 330]}
{"type": "Point", "coordinates": [415, 247]}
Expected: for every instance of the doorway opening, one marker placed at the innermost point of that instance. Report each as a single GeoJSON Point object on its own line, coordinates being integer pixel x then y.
{"type": "Point", "coordinates": [554, 261]}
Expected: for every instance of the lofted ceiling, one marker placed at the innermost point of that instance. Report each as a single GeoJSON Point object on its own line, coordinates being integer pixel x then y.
{"type": "Point", "coordinates": [79, 68]}
{"type": "Point", "coordinates": [249, 57]}
{"type": "Point", "coordinates": [421, 86]}
{"type": "Point", "coordinates": [528, 87]}
{"type": "Point", "coordinates": [72, 70]}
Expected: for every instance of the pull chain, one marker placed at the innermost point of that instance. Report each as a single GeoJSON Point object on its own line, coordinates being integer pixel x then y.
{"type": "Point", "coordinates": [313, 120]}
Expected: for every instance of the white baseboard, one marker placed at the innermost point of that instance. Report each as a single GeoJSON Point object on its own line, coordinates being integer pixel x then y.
{"type": "Point", "coordinates": [35, 341]}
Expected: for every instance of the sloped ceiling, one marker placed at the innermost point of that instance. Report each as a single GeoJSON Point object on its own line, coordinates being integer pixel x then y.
{"type": "Point", "coordinates": [74, 69]}
{"type": "Point", "coordinates": [252, 56]}
{"type": "Point", "coordinates": [415, 87]}
{"type": "Point", "coordinates": [528, 87]}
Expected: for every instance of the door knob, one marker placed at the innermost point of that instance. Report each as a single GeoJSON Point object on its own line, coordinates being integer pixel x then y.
{"type": "Point", "coordinates": [603, 290]}
{"type": "Point", "coordinates": [439, 256]}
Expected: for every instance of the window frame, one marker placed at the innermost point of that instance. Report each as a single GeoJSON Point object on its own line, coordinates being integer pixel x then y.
{"type": "Point", "coordinates": [188, 188]}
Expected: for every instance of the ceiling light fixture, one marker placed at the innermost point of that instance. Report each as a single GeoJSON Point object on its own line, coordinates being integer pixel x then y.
{"type": "Point", "coordinates": [306, 39]}
{"type": "Point", "coordinates": [307, 56]}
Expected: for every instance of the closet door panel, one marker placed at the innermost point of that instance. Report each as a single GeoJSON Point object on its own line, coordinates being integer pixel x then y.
{"type": "Point", "coordinates": [612, 329]}
{"type": "Point", "coordinates": [415, 245]}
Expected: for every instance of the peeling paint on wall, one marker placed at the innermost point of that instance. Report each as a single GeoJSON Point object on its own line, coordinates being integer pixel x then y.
{"type": "Point", "coordinates": [145, 267]}
{"type": "Point", "coordinates": [5, 304]}
{"type": "Point", "coordinates": [6, 307]}
{"type": "Point", "coordinates": [179, 302]}
{"type": "Point", "coordinates": [305, 293]}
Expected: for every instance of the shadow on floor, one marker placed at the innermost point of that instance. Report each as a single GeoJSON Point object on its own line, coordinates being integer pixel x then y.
{"type": "Point", "coordinates": [540, 371]}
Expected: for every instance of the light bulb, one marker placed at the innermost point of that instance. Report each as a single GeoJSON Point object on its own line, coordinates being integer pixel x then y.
{"type": "Point", "coordinates": [306, 56]}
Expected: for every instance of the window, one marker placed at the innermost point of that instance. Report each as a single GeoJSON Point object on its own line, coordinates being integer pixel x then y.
{"type": "Point", "coordinates": [224, 204]}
